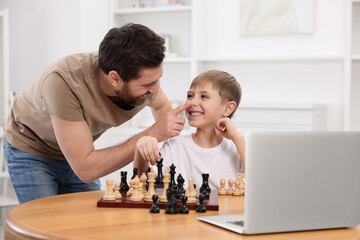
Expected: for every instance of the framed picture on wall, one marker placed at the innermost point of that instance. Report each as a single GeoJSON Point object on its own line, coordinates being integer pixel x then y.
{"type": "Point", "coordinates": [263, 17]}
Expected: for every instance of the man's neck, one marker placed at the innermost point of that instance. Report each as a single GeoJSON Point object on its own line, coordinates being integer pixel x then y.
{"type": "Point", "coordinates": [121, 104]}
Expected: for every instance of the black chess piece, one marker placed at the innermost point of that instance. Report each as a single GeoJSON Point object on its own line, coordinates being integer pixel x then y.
{"type": "Point", "coordinates": [154, 208]}
{"type": "Point", "coordinates": [205, 188]}
{"type": "Point", "coordinates": [180, 186]}
{"type": "Point", "coordinates": [135, 172]}
{"type": "Point", "coordinates": [201, 208]}
{"type": "Point", "coordinates": [172, 183]}
{"type": "Point", "coordinates": [183, 209]}
{"type": "Point", "coordinates": [123, 184]}
{"type": "Point", "coordinates": [171, 205]}
{"type": "Point", "coordinates": [147, 179]}
{"type": "Point", "coordinates": [160, 177]}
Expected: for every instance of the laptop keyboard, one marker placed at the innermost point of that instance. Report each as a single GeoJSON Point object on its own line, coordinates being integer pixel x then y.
{"type": "Point", "coordinates": [237, 223]}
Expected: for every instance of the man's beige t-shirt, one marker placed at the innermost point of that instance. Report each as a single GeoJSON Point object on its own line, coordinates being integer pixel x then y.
{"type": "Point", "coordinates": [70, 90]}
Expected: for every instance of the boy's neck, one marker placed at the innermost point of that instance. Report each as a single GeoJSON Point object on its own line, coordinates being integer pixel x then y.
{"type": "Point", "coordinates": [206, 139]}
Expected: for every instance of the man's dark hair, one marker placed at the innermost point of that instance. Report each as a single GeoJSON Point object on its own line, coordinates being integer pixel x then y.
{"type": "Point", "coordinates": [129, 48]}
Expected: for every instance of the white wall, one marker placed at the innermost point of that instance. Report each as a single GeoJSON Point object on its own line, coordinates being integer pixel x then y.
{"type": "Point", "coordinates": [222, 37]}
{"type": "Point", "coordinates": [42, 31]}
{"type": "Point", "coordinates": [288, 69]}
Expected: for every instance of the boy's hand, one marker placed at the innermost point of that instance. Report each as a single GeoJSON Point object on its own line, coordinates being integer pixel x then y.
{"type": "Point", "coordinates": [149, 149]}
{"type": "Point", "coordinates": [226, 128]}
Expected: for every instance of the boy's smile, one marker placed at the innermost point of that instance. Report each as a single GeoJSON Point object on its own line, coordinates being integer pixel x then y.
{"type": "Point", "coordinates": [195, 113]}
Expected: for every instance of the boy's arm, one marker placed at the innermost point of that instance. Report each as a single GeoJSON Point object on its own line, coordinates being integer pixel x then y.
{"type": "Point", "coordinates": [146, 151]}
{"type": "Point", "coordinates": [227, 129]}
{"type": "Point", "coordinates": [240, 144]}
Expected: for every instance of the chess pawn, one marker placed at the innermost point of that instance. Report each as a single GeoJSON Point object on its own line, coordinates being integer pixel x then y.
{"type": "Point", "coordinates": [238, 176]}
{"type": "Point", "coordinates": [201, 208]}
{"type": "Point", "coordinates": [222, 190]}
{"type": "Point", "coordinates": [154, 208]}
{"type": "Point", "coordinates": [191, 193]}
{"type": "Point", "coordinates": [242, 185]}
{"type": "Point", "coordinates": [109, 194]}
{"type": "Point", "coordinates": [183, 209]}
{"type": "Point", "coordinates": [131, 190]}
{"type": "Point", "coordinates": [117, 190]}
{"type": "Point", "coordinates": [237, 188]}
{"type": "Point", "coordinates": [136, 196]}
{"type": "Point", "coordinates": [151, 191]}
{"type": "Point", "coordinates": [166, 182]}
{"type": "Point", "coordinates": [230, 190]}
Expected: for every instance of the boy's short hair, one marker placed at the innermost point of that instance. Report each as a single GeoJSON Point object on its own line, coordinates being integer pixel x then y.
{"type": "Point", "coordinates": [130, 48]}
{"type": "Point", "coordinates": [226, 85]}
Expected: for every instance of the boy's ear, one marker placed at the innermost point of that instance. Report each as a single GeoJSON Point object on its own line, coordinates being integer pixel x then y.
{"type": "Point", "coordinates": [229, 108]}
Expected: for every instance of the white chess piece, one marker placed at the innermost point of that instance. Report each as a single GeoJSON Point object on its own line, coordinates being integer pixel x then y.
{"type": "Point", "coordinates": [117, 191]}
{"type": "Point", "coordinates": [109, 194]}
{"type": "Point", "coordinates": [166, 182]}
{"type": "Point", "coordinates": [230, 190]}
{"type": "Point", "coordinates": [151, 190]}
{"type": "Point", "coordinates": [222, 190]}
{"type": "Point", "coordinates": [137, 193]}
{"type": "Point", "coordinates": [191, 193]}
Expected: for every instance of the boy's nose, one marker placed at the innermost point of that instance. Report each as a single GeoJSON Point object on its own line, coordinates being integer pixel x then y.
{"type": "Point", "coordinates": [194, 102]}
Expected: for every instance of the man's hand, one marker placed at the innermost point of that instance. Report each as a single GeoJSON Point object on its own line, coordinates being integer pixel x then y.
{"type": "Point", "coordinates": [148, 148]}
{"type": "Point", "coordinates": [169, 125]}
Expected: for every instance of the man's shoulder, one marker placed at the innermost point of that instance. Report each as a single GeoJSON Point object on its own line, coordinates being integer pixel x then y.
{"type": "Point", "coordinates": [77, 61]}
{"type": "Point", "coordinates": [75, 68]}
{"type": "Point", "coordinates": [81, 56]}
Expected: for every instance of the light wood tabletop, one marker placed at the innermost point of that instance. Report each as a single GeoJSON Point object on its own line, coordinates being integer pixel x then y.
{"type": "Point", "coordinates": [76, 216]}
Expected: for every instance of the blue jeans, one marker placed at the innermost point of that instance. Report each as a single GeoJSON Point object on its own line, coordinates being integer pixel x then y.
{"type": "Point", "coordinates": [37, 177]}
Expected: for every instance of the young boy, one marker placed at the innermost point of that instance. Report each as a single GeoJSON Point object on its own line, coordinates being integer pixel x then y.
{"type": "Point", "coordinates": [216, 147]}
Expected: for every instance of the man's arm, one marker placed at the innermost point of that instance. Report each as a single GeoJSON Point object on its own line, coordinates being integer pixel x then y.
{"type": "Point", "coordinates": [76, 143]}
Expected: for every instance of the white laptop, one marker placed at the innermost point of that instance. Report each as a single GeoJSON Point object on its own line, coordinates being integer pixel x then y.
{"type": "Point", "coordinates": [298, 181]}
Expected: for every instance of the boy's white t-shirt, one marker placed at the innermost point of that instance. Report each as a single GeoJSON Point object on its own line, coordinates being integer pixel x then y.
{"type": "Point", "coordinates": [191, 160]}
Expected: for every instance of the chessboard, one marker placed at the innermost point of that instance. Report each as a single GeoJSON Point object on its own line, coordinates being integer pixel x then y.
{"type": "Point", "coordinates": [211, 203]}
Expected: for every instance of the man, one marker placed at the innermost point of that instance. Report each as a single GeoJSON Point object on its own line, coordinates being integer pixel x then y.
{"type": "Point", "coordinates": [50, 131]}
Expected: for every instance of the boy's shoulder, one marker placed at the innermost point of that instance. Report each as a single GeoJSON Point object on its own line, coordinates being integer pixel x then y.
{"type": "Point", "coordinates": [181, 141]}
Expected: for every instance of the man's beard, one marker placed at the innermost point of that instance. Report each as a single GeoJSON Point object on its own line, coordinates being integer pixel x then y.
{"type": "Point", "coordinates": [125, 97]}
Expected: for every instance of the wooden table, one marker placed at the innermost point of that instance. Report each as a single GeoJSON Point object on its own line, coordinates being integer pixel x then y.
{"type": "Point", "coordinates": [75, 216]}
